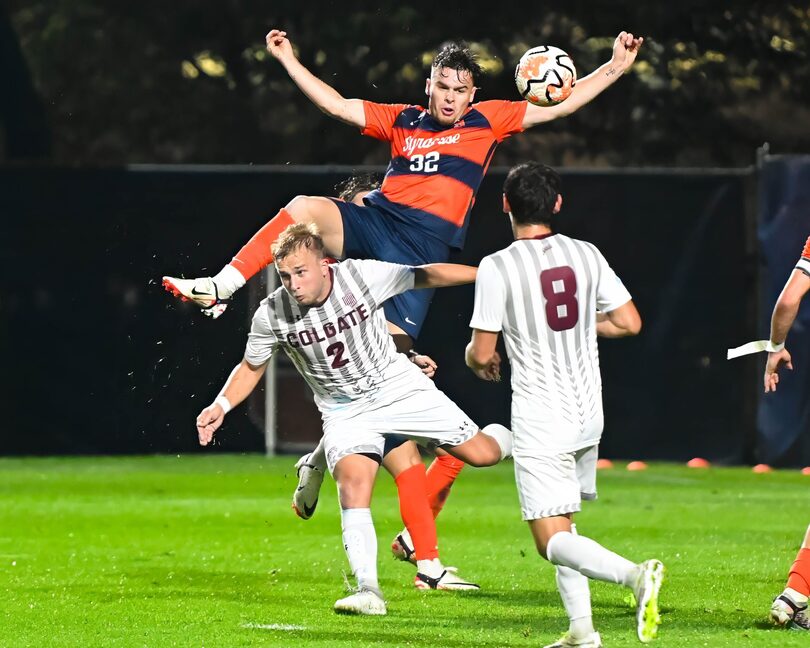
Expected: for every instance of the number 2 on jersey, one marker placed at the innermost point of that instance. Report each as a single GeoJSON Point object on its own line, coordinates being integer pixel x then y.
{"type": "Point", "coordinates": [337, 350]}
{"type": "Point", "coordinates": [559, 287]}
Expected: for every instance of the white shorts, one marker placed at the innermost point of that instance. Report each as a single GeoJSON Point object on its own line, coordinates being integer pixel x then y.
{"type": "Point", "coordinates": [423, 414]}
{"type": "Point", "coordinates": [556, 484]}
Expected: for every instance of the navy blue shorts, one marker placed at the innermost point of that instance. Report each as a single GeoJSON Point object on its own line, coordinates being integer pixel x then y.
{"type": "Point", "coordinates": [373, 233]}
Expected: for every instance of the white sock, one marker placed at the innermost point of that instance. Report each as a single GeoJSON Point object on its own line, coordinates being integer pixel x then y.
{"type": "Point", "coordinates": [360, 543]}
{"type": "Point", "coordinates": [796, 597]}
{"type": "Point", "coordinates": [502, 436]}
{"type": "Point", "coordinates": [590, 559]}
{"type": "Point", "coordinates": [317, 457]}
{"type": "Point", "coordinates": [432, 567]}
{"type": "Point", "coordinates": [228, 280]}
{"type": "Point", "coordinates": [576, 597]}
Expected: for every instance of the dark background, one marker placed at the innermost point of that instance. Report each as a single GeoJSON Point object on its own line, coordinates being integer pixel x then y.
{"type": "Point", "coordinates": [91, 337]}
{"type": "Point", "coordinates": [154, 138]}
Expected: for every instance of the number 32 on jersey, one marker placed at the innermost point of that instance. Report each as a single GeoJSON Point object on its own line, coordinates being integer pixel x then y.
{"type": "Point", "coordinates": [428, 163]}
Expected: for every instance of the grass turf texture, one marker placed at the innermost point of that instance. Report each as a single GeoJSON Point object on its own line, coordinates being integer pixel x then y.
{"type": "Point", "coordinates": [204, 551]}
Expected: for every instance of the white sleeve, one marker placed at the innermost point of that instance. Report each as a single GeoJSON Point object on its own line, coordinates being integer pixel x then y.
{"type": "Point", "coordinates": [262, 341]}
{"type": "Point", "coordinates": [384, 279]}
{"type": "Point", "coordinates": [490, 298]}
{"type": "Point", "coordinates": [610, 292]}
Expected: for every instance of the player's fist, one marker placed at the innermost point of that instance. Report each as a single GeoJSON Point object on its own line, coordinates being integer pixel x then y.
{"type": "Point", "coordinates": [278, 44]}
{"type": "Point", "coordinates": [208, 422]}
{"type": "Point", "coordinates": [775, 362]}
{"type": "Point", "coordinates": [492, 370]}
{"type": "Point", "coordinates": [625, 50]}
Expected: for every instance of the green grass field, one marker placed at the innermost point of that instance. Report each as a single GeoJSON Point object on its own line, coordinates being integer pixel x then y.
{"type": "Point", "coordinates": [204, 551]}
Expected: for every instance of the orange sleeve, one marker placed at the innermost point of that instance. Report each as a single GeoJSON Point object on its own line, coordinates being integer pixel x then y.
{"type": "Point", "coordinates": [505, 117]}
{"type": "Point", "coordinates": [380, 119]}
{"type": "Point", "coordinates": [806, 251]}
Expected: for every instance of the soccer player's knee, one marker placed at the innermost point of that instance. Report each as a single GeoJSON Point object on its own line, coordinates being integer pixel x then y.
{"type": "Point", "coordinates": [354, 491]}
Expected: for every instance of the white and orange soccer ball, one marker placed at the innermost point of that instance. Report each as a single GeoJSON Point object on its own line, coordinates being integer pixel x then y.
{"type": "Point", "coordinates": [545, 75]}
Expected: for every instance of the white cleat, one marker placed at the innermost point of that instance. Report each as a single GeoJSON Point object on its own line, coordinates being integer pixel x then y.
{"type": "Point", "coordinates": [402, 547]}
{"type": "Point", "coordinates": [593, 640]}
{"type": "Point", "coordinates": [784, 609]}
{"type": "Point", "coordinates": [449, 580]}
{"type": "Point", "coordinates": [363, 601]}
{"type": "Point", "coordinates": [203, 292]}
{"type": "Point", "coordinates": [310, 478]}
{"type": "Point", "coordinates": [648, 585]}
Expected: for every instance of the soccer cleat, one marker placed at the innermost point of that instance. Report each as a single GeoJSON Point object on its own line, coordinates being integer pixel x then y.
{"type": "Point", "coordinates": [363, 601]}
{"type": "Point", "coordinates": [203, 292]}
{"type": "Point", "coordinates": [646, 591]}
{"type": "Point", "coordinates": [402, 549]}
{"type": "Point", "coordinates": [310, 478]}
{"type": "Point", "coordinates": [593, 640]}
{"type": "Point", "coordinates": [784, 609]}
{"type": "Point", "coordinates": [449, 580]}
{"type": "Point", "coordinates": [800, 621]}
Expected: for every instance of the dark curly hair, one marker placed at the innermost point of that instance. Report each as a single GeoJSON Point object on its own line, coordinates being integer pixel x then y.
{"type": "Point", "coordinates": [531, 190]}
{"type": "Point", "coordinates": [458, 57]}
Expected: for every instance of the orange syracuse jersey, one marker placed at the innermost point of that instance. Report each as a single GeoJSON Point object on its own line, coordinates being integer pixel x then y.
{"type": "Point", "coordinates": [435, 170]}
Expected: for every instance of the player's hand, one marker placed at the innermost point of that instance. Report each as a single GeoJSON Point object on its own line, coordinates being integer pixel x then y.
{"type": "Point", "coordinates": [208, 422]}
{"type": "Point", "coordinates": [625, 50]}
{"type": "Point", "coordinates": [492, 370]}
{"type": "Point", "coordinates": [775, 362]}
{"type": "Point", "coordinates": [425, 363]}
{"type": "Point", "coordinates": [278, 44]}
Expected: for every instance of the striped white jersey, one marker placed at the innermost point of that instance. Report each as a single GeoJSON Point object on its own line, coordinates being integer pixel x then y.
{"type": "Point", "coordinates": [342, 348]}
{"type": "Point", "coordinates": [543, 295]}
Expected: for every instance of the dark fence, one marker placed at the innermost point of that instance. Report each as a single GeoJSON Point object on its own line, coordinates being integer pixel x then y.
{"type": "Point", "coordinates": [783, 421]}
{"type": "Point", "coordinates": [97, 359]}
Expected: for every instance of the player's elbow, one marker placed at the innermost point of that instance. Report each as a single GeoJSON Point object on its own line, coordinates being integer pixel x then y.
{"type": "Point", "coordinates": [634, 325]}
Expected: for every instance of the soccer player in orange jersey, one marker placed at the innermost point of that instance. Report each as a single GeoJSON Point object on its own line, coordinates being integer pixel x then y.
{"type": "Point", "coordinates": [790, 607]}
{"type": "Point", "coordinates": [439, 156]}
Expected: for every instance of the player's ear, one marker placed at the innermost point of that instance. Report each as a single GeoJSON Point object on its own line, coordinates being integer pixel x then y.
{"type": "Point", "coordinates": [557, 204]}
{"type": "Point", "coordinates": [506, 208]}
{"type": "Point", "coordinates": [427, 86]}
{"type": "Point", "coordinates": [472, 95]}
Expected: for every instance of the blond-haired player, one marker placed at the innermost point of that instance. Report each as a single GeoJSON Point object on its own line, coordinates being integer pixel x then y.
{"type": "Point", "coordinates": [328, 319]}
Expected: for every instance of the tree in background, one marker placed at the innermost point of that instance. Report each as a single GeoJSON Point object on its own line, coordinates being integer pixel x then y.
{"type": "Point", "coordinates": [180, 82]}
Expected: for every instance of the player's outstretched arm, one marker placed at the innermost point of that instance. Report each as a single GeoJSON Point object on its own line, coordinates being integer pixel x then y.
{"type": "Point", "coordinates": [784, 314]}
{"type": "Point", "coordinates": [240, 384]}
{"type": "Point", "coordinates": [625, 50]}
{"type": "Point", "coordinates": [324, 96]}
{"type": "Point", "coordinates": [441, 275]}
{"type": "Point", "coordinates": [620, 322]}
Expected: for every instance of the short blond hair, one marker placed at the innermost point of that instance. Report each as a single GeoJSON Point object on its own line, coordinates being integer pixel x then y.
{"type": "Point", "coordinates": [296, 236]}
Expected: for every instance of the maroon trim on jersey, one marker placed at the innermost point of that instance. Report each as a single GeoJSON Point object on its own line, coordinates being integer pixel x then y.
{"type": "Point", "coordinates": [539, 237]}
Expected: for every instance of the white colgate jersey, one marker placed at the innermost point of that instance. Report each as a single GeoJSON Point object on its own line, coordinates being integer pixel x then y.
{"type": "Point", "coordinates": [543, 294]}
{"type": "Point", "coordinates": [342, 348]}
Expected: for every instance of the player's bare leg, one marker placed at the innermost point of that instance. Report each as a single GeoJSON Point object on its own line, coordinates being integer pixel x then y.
{"type": "Point", "coordinates": [578, 558]}
{"type": "Point", "coordinates": [791, 606]}
{"type": "Point", "coordinates": [354, 475]}
{"type": "Point", "coordinates": [213, 294]}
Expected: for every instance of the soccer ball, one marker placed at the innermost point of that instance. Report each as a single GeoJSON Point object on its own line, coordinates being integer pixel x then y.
{"type": "Point", "coordinates": [545, 75]}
